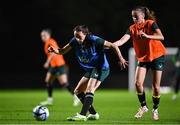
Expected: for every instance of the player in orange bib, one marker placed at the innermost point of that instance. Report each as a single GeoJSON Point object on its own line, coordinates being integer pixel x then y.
{"type": "Point", "coordinates": [146, 37]}
{"type": "Point", "coordinates": [57, 69]}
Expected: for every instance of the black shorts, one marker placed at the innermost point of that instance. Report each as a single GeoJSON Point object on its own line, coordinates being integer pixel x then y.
{"type": "Point", "coordinates": [56, 71]}
{"type": "Point", "coordinates": [100, 75]}
{"type": "Point", "coordinates": [156, 64]}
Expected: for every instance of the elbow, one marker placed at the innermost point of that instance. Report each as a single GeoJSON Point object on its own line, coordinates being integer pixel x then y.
{"type": "Point", "coordinates": [162, 37]}
{"type": "Point", "coordinates": [114, 47]}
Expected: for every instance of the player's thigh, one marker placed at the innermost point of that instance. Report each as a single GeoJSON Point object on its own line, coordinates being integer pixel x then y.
{"type": "Point", "coordinates": [49, 77]}
{"type": "Point", "coordinates": [97, 76]}
{"type": "Point", "coordinates": [82, 85]}
{"type": "Point", "coordinates": [93, 84]}
{"type": "Point", "coordinates": [62, 79]}
{"type": "Point", "coordinates": [157, 66]}
{"type": "Point", "coordinates": [140, 74]}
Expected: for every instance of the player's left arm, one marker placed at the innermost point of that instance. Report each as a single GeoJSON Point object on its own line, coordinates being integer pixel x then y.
{"type": "Point", "coordinates": [110, 45]}
{"type": "Point", "coordinates": [46, 64]}
{"type": "Point", "coordinates": [157, 34]}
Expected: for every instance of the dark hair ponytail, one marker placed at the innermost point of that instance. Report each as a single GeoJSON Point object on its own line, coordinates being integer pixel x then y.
{"type": "Point", "coordinates": [148, 13]}
{"type": "Point", "coordinates": [82, 28]}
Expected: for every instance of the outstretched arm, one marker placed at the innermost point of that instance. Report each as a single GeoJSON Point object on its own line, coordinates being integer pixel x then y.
{"type": "Point", "coordinates": [110, 45]}
{"type": "Point", "coordinates": [62, 51]}
{"type": "Point", "coordinates": [123, 40]}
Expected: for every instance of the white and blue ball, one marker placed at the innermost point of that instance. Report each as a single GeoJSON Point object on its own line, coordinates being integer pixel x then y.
{"type": "Point", "coordinates": [41, 113]}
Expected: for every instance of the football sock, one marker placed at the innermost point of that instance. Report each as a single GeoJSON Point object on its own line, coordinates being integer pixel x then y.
{"type": "Point", "coordinates": [50, 89]}
{"type": "Point", "coordinates": [156, 100]}
{"type": "Point", "coordinates": [142, 98]}
{"type": "Point", "coordinates": [68, 87]}
{"type": "Point", "coordinates": [81, 97]}
{"type": "Point", "coordinates": [87, 103]}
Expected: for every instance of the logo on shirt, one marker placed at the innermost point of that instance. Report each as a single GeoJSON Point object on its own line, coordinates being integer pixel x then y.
{"type": "Point", "coordinates": [96, 75]}
{"type": "Point", "coordinates": [84, 59]}
{"type": "Point", "coordinates": [160, 66]}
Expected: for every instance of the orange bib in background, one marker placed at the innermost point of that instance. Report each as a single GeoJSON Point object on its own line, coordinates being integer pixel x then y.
{"type": "Point", "coordinates": [57, 60]}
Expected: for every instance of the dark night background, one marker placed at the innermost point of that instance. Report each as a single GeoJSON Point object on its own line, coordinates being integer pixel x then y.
{"type": "Point", "coordinates": [21, 50]}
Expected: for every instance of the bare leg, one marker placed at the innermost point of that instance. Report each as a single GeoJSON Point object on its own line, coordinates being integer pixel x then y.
{"type": "Point", "coordinates": [156, 88]}
{"type": "Point", "coordinates": [156, 93]}
{"type": "Point", "coordinates": [49, 81]}
{"type": "Point", "coordinates": [63, 81]}
{"type": "Point", "coordinates": [139, 78]}
{"type": "Point", "coordinates": [139, 81]}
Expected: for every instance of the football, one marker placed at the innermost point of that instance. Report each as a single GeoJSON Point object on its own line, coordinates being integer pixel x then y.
{"type": "Point", "coordinates": [41, 113]}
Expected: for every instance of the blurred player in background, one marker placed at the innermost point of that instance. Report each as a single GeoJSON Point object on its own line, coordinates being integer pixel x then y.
{"type": "Point", "coordinates": [90, 53]}
{"type": "Point", "coordinates": [57, 69]}
{"type": "Point", "coordinates": [146, 37]}
{"type": "Point", "coordinates": [177, 65]}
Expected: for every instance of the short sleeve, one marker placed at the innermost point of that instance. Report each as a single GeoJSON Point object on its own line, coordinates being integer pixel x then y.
{"type": "Point", "coordinates": [128, 31]}
{"type": "Point", "coordinates": [154, 26]}
{"type": "Point", "coordinates": [99, 41]}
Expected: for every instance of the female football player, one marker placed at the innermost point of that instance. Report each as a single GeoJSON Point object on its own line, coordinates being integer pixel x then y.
{"type": "Point", "coordinates": [90, 54]}
{"type": "Point", "coordinates": [146, 37]}
{"type": "Point", "coordinates": [56, 68]}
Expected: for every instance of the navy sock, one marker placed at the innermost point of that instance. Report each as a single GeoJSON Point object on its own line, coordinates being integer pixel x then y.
{"type": "Point", "coordinates": [81, 97]}
{"type": "Point", "coordinates": [142, 98]}
{"type": "Point", "coordinates": [87, 103]}
{"type": "Point", "coordinates": [156, 100]}
{"type": "Point", "coordinates": [49, 89]}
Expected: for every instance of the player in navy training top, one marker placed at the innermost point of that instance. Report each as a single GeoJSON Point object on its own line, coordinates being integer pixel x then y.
{"type": "Point", "coordinates": [90, 54]}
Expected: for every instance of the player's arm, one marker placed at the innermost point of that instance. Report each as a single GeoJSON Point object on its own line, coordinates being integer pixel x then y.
{"type": "Point", "coordinates": [157, 34]}
{"type": "Point", "coordinates": [62, 51]}
{"type": "Point", "coordinates": [123, 40]}
{"type": "Point", "coordinates": [46, 64]}
{"type": "Point", "coordinates": [110, 45]}
{"type": "Point", "coordinates": [50, 58]}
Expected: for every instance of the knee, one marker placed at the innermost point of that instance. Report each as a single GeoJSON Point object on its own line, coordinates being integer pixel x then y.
{"type": "Point", "coordinates": [138, 84]}
{"type": "Point", "coordinates": [47, 82]}
{"type": "Point", "coordinates": [89, 89]}
{"type": "Point", "coordinates": [64, 84]}
{"type": "Point", "coordinates": [156, 88]}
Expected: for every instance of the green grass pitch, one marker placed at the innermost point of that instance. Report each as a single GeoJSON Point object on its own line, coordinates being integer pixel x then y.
{"type": "Point", "coordinates": [114, 107]}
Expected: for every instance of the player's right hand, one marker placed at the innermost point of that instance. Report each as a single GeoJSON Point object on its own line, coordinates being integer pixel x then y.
{"type": "Point", "coordinates": [123, 63]}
